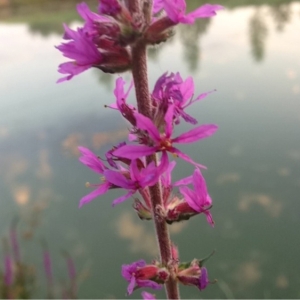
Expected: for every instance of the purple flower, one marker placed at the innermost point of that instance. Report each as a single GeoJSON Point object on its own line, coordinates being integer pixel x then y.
{"type": "Point", "coordinates": [134, 179]}
{"type": "Point", "coordinates": [203, 280]}
{"type": "Point", "coordinates": [109, 156]}
{"type": "Point", "coordinates": [91, 19]}
{"type": "Point", "coordinates": [199, 199]}
{"type": "Point", "coordinates": [157, 6]}
{"type": "Point", "coordinates": [176, 208]}
{"type": "Point", "coordinates": [139, 274]}
{"type": "Point", "coordinates": [15, 243]}
{"type": "Point", "coordinates": [148, 296]}
{"type": "Point", "coordinates": [137, 178]}
{"type": "Point", "coordinates": [83, 52]}
{"type": "Point", "coordinates": [100, 28]}
{"type": "Point", "coordinates": [164, 142]}
{"type": "Point", "coordinates": [89, 159]}
{"type": "Point", "coordinates": [185, 99]}
{"type": "Point", "coordinates": [47, 267]}
{"type": "Point", "coordinates": [72, 276]}
{"type": "Point", "coordinates": [173, 89]}
{"type": "Point", "coordinates": [125, 109]}
{"type": "Point", "coordinates": [166, 180]}
{"type": "Point", "coordinates": [8, 271]}
{"type": "Point", "coordinates": [71, 268]}
{"type": "Point", "coordinates": [109, 7]}
{"type": "Point", "coordinates": [175, 10]}
{"type": "Point", "coordinates": [194, 275]}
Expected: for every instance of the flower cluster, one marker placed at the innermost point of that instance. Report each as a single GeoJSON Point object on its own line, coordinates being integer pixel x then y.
{"type": "Point", "coordinates": [127, 168]}
{"type": "Point", "coordinates": [19, 278]}
{"type": "Point", "coordinates": [139, 274]}
{"type": "Point", "coordinates": [142, 166]}
{"type": "Point", "coordinates": [104, 40]}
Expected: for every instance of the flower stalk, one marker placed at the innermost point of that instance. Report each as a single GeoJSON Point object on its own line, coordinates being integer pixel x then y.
{"type": "Point", "coordinates": [115, 41]}
{"type": "Point", "coordinates": [140, 77]}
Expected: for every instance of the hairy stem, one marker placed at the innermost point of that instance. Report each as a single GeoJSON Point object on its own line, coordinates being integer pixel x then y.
{"type": "Point", "coordinates": [140, 77]}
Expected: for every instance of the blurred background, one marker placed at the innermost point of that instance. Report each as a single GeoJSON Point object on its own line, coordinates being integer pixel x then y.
{"type": "Point", "coordinates": [250, 53]}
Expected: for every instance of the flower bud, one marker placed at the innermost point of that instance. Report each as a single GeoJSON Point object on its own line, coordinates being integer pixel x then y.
{"type": "Point", "coordinates": [159, 31]}
{"type": "Point", "coordinates": [178, 210]}
{"type": "Point", "coordinates": [139, 274]}
{"type": "Point", "coordinates": [143, 212]}
{"type": "Point", "coordinates": [194, 275]}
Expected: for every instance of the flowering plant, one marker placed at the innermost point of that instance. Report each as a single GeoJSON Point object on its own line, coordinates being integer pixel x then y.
{"type": "Point", "coordinates": [19, 278]}
{"type": "Point", "coordinates": [114, 40]}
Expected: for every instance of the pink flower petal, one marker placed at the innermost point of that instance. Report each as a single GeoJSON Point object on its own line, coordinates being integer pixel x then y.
{"type": "Point", "coordinates": [148, 296]}
{"type": "Point", "coordinates": [134, 171]}
{"type": "Point", "coordinates": [204, 11]}
{"type": "Point", "coordinates": [175, 9]}
{"type": "Point", "coordinates": [190, 197]}
{"type": "Point", "coordinates": [118, 179]}
{"type": "Point", "coordinates": [200, 185]}
{"type": "Point", "coordinates": [91, 160]}
{"type": "Point", "coordinates": [167, 176]}
{"type": "Point", "coordinates": [187, 90]}
{"type": "Point", "coordinates": [196, 134]}
{"type": "Point", "coordinates": [134, 151]}
{"type": "Point", "coordinates": [146, 124]}
{"type": "Point", "coordinates": [122, 198]}
{"type": "Point", "coordinates": [131, 285]}
{"type": "Point", "coordinates": [169, 121]}
{"type": "Point", "coordinates": [184, 181]}
{"type": "Point", "coordinates": [186, 158]}
{"type": "Point", "coordinates": [202, 96]}
{"type": "Point", "coordinates": [102, 189]}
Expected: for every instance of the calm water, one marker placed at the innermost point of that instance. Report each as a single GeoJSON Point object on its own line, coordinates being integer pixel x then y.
{"type": "Point", "coordinates": [251, 54]}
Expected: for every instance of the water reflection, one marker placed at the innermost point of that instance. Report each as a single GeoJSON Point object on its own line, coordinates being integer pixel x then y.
{"type": "Point", "coordinates": [271, 206]}
{"type": "Point", "coordinates": [140, 239]}
{"type": "Point", "coordinates": [228, 177]}
{"type": "Point", "coordinates": [46, 18]}
{"type": "Point", "coordinates": [96, 140]}
{"type": "Point", "coordinates": [258, 34]}
{"type": "Point", "coordinates": [191, 40]}
{"type": "Point", "coordinates": [247, 274]}
{"type": "Point", "coordinates": [281, 14]}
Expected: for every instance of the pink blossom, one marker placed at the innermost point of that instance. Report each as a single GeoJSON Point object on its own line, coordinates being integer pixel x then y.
{"type": "Point", "coordinates": [175, 10]}
{"type": "Point", "coordinates": [203, 281]}
{"type": "Point", "coordinates": [157, 6]}
{"type": "Point", "coordinates": [163, 142]}
{"type": "Point", "coordinates": [139, 274]}
{"type": "Point", "coordinates": [194, 275]}
{"type": "Point", "coordinates": [89, 159]}
{"type": "Point", "coordinates": [8, 275]}
{"type": "Point", "coordinates": [173, 89]}
{"type": "Point", "coordinates": [109, 7]}
{"type": "Point", "coordinates": [198, 199]}
{"type": "Point", "coordinates": [121, 96]}
{"type": "Point", "coordinates": [91, 19]}
{"type": "Point", "coordinates": [48, 266]}
{"type": "Point", "coordinates": [148, 296]}
{"type": "Point", "coordinates": [83, 52]}
{"type": "Point", "coordinates": [137, 178]}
